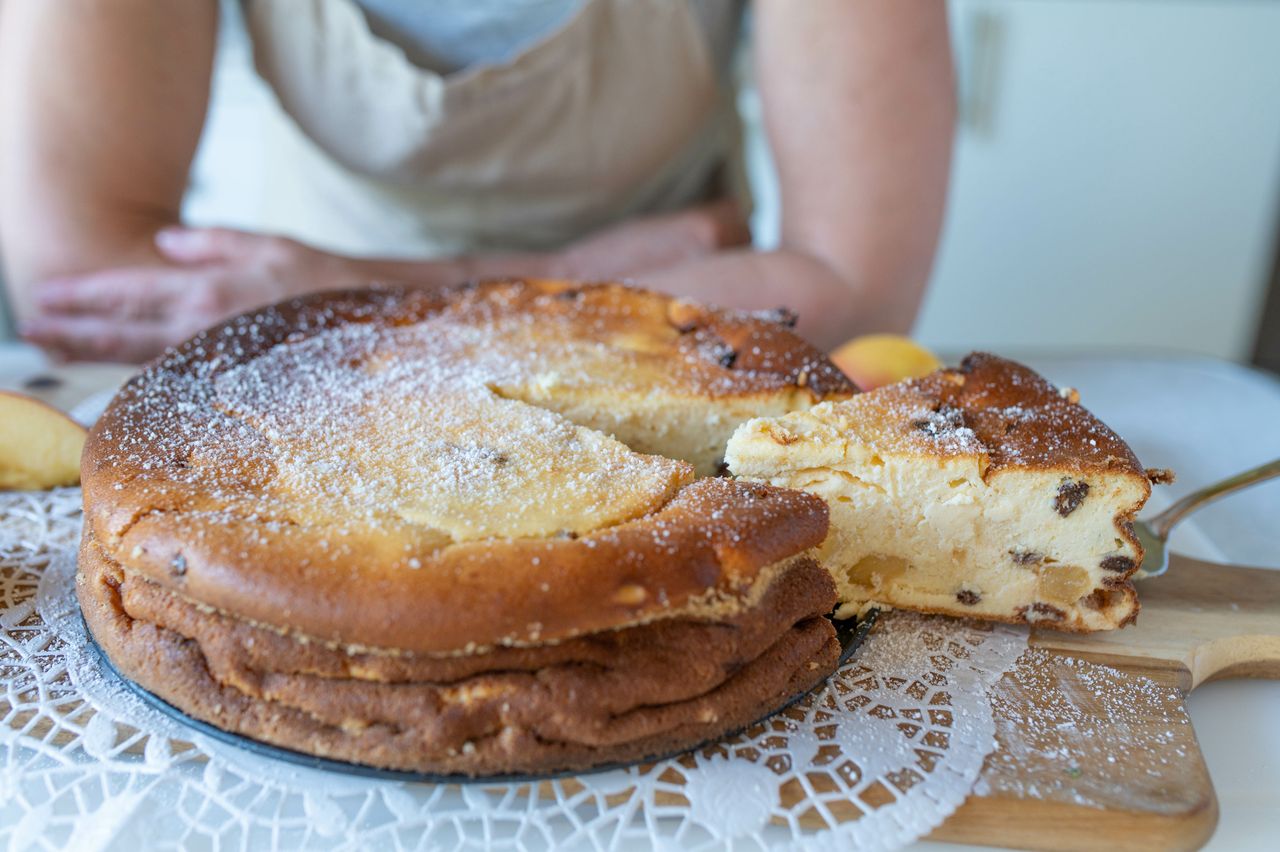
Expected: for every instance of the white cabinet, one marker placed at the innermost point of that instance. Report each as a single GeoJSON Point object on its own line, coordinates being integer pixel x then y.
{"type": "Point", "coordinates": [1116, 179]}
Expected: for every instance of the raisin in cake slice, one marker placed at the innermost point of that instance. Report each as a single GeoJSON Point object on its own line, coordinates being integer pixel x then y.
{"type": "Point", "coordinates": [981, 491]}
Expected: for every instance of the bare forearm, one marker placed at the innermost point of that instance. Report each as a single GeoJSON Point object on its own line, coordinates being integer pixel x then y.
{"type": "Point", "coordinates": [829, 311]}
{"type": "Point", "coordinates": [79, 242]}
{"type": "Point", "coordinates": [860, 106]}
{"type": "Point", "coordinates": [445, 272]}
{"type": "Point", "coordinates": [619, 251]}
{"type": "Point", "coordinates": [102, 104]}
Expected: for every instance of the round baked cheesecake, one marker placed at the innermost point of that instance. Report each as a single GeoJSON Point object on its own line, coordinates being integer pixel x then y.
{"type": "Point", "coordinates": [469, 532]}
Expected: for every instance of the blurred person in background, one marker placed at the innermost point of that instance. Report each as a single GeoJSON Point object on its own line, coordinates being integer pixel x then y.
{"type": "Point", "coordinates": [465, 139]}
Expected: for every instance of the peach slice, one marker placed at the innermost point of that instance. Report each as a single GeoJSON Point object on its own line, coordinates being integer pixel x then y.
{"type": "Point", "coordinates": [874, 360]}
{"type": "Point", "coordinates": [39, 445]}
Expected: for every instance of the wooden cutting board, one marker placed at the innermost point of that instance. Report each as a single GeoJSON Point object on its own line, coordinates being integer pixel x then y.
{"type": "Point", "coordinates": [1095, 751]}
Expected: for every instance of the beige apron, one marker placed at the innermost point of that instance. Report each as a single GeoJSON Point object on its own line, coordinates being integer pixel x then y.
{"type": "Point", "coordinates": [616, 113]}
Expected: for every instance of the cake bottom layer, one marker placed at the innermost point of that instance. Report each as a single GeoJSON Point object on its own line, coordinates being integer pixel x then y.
{"type": "Point", "coordinates": [614, 696]}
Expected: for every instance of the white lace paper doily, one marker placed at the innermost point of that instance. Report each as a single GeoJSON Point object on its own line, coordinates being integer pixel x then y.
{"type": "Point", "coordinates": [880, 756]}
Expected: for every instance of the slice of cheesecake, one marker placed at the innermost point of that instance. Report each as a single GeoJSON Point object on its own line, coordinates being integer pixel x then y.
{"type": "Point", "coordinates": [982, 491]}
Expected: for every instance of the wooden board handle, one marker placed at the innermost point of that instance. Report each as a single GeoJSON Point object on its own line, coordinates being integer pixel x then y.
{"type": "Point", "coordinates": [1199, 622]}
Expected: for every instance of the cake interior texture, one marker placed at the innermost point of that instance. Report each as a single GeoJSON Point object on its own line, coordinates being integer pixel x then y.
{"type": "Point", "coordinates": [981, 491]}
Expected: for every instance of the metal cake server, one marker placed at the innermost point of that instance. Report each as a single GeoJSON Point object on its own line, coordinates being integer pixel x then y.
{"type": "Point", "coordinates": [1153, 533]}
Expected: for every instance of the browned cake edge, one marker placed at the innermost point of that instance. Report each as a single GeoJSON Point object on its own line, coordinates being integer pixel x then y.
{"type": "Point", "coordinates": [620, 696]}
{"type": "Point", "coordinates": [706, 550]}
{"type": "Point", "coordinates": [1047, 429]}
{"type": "Point", "coordinates": [1121, 599]}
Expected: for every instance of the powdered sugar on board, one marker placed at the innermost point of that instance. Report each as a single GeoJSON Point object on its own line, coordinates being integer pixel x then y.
{"type": "Point", "coordinates": [1078, 732]}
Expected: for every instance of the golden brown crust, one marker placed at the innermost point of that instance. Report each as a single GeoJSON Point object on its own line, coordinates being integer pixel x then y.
{"type": "Point", "coordinates": [187, 490]}
{"type": "Point", "coordinates": [615, 696]}
{"type": "Point", "coordinates": [1022, 420]}
{"type": "Point", "coordinates": [712, 539]}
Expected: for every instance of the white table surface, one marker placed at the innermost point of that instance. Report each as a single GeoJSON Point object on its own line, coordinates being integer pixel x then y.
{"type": "Point", "coordinates": [1206, 420]}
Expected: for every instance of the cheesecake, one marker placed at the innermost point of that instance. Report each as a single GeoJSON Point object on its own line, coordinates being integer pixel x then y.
{"type": "Point", "coordinates": [470, 532]}
{"type": "Point", "coordinates": [982, 491]}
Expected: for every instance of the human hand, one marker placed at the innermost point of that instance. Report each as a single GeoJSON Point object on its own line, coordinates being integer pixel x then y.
{"type": "Point", "coordinates": [133, 313]}
{"type": "Point", "coordinates": [657, 241]}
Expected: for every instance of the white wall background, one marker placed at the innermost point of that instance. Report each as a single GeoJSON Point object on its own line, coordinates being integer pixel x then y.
{"type": "Point", "coordinates": [1116, 178]}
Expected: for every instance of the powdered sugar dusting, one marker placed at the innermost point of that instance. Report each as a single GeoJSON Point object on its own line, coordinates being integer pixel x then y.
{"type": "Point", "coordinates": [942, 426]}
{"type": "Point", "coordinates": [1079, 732]}
{"type": "Point", "coordinates": [1022, 420]}
{"type": "Point", "coordinates": [403, 424]}
{"type": "Point", "coordinates": [402, 408]}
{"type": "Point", "coordinates": [989, 408]}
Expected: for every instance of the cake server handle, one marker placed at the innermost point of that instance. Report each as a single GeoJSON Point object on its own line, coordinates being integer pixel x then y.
{"type": "Point", "coordinates": [1153, 533]}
